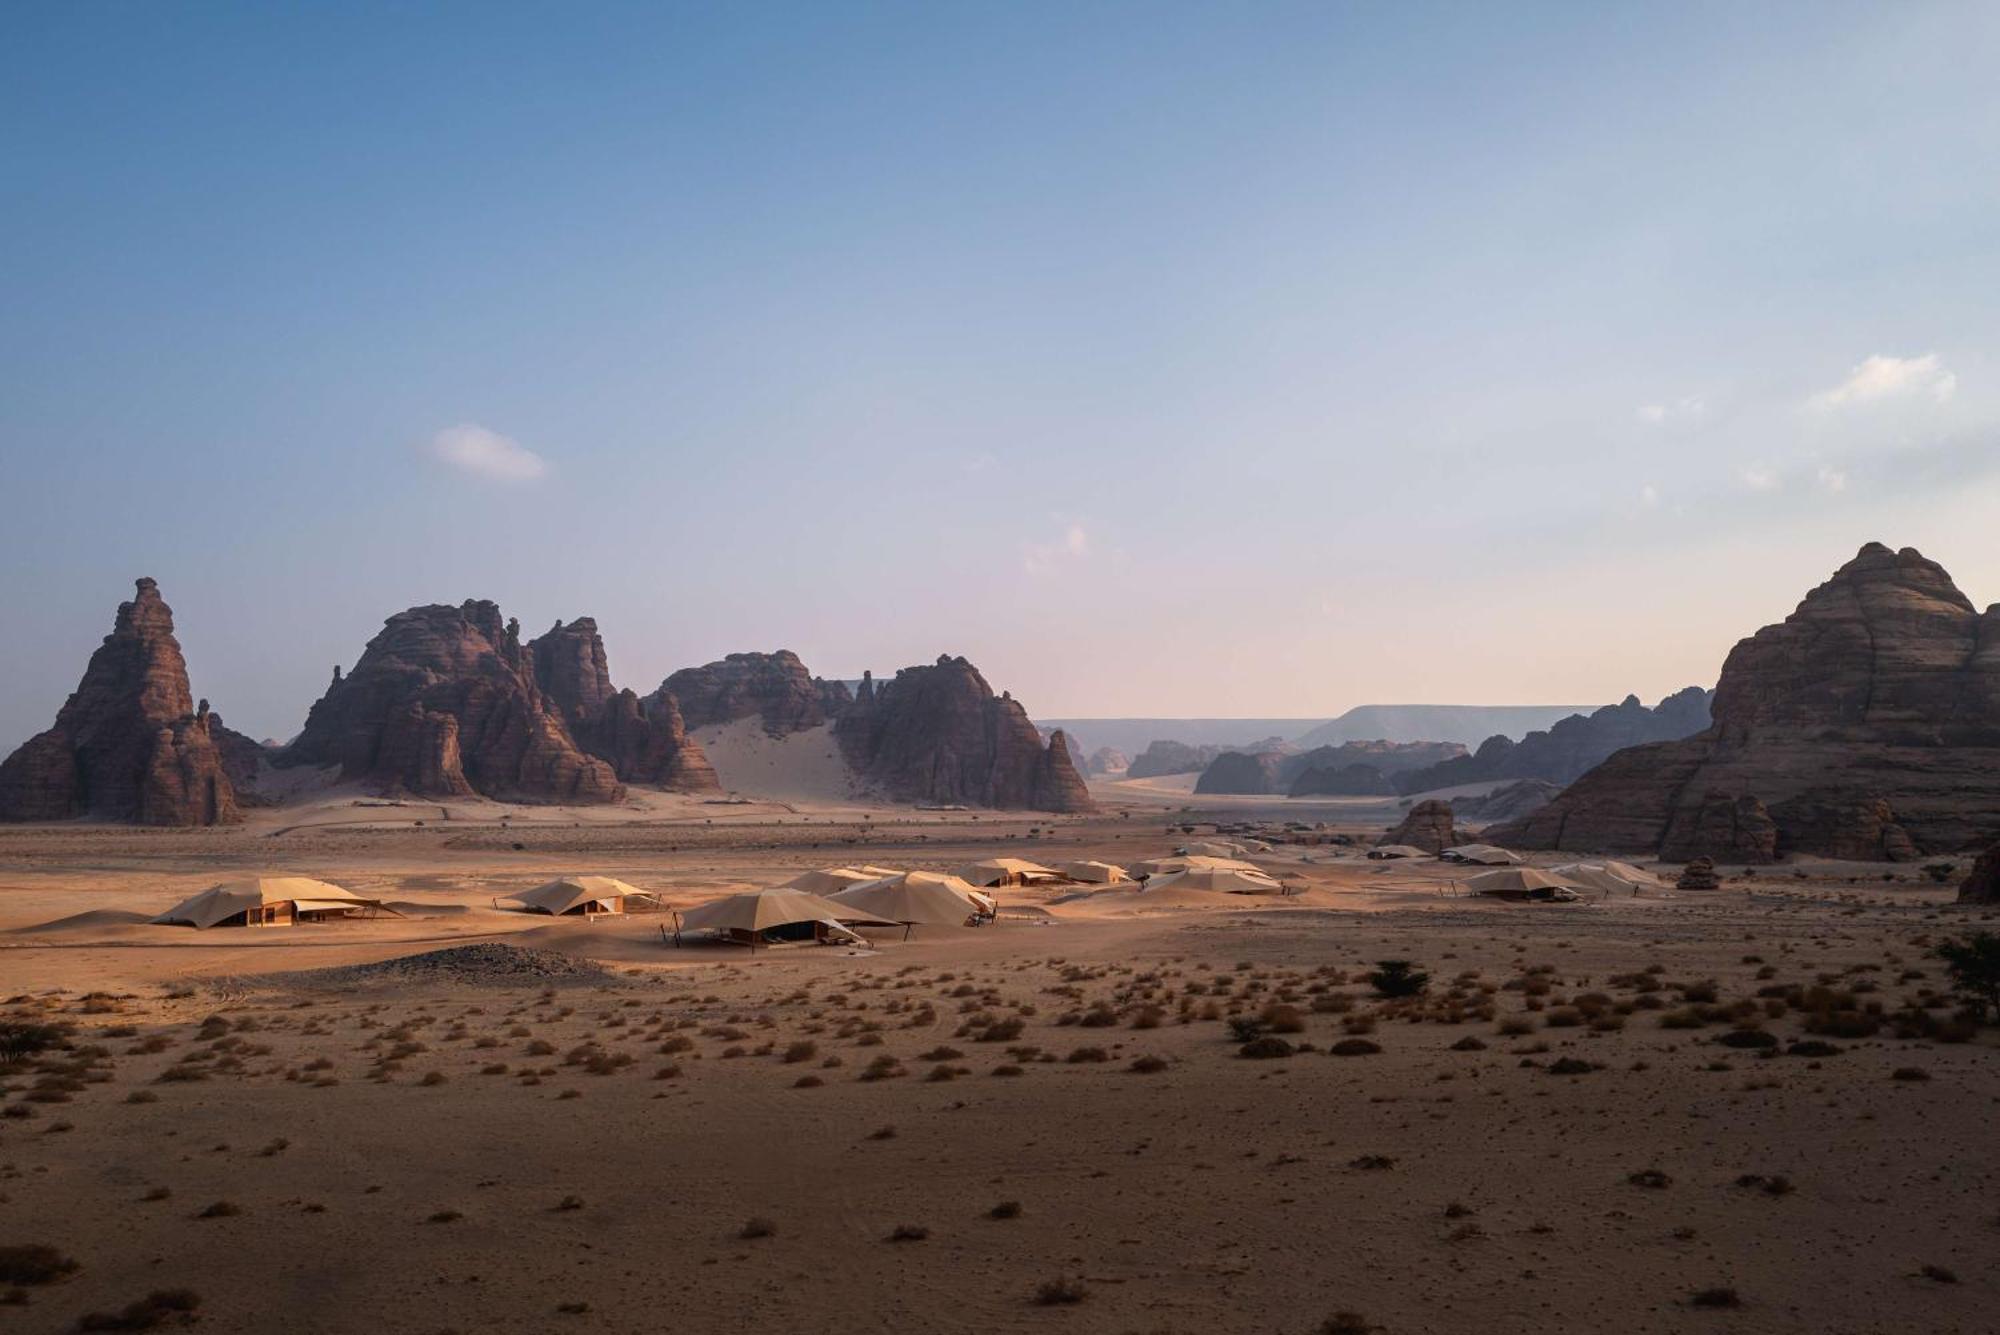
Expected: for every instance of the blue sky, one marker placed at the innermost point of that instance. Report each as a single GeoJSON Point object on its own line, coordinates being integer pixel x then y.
{"type": "Point", "coordinates": [1164, 359]}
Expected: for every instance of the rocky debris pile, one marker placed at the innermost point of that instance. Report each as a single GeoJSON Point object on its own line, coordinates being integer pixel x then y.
{"type": "Point", "coordinates": [1864, 725]}
{"type": "Point", "coordinates": [131, 744]}
{"type": "Point", "coordinates": [1508, 802]}
{"type": "Point", "coordinates": [484, 964]}
{"type": "Point", "coordinates": [445, 702]}
{"type": "Point", "coordinates": [774, 688]}
{"type": "Point", "coordinates": [1428, 826]}
{"type": "Point", "coordinates": [1982, 884]}
{"type": "Point", "coordinates": [1699, 875]}
{"type": "Point", "coordinates": [644, 741]}
{"type": "Point", "coordinates": [1572, 746]}
{"type": "Point", "coordinates": [938, 734]}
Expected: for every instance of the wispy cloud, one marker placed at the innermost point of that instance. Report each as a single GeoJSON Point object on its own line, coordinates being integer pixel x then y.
{"type": "Point", "coordinates": [1680, 410]}
{"type": "Point", "coordinates": [1046, 558]}
{"type": "Point", "coordinates": [1761, 477]}
{"type": "Point", "coordinates": [1880, 378]}
{"type": "Point", "coordinates": [488, 454]}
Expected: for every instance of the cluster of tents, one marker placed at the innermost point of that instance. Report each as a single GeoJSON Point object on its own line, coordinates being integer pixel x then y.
{"type": "Point", "coordinates": [285, 901]}
{"type": "Point", "coordinates": [1565, 884]}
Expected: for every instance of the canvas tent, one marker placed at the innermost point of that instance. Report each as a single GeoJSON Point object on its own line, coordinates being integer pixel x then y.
{"type": "Point", "coordinates": [263, 901]}
{"type": "Point", "coordinates": [585, 896]}
{"type": "Point", "coordinates": [1007, 871]}
{"type": "Point", "coordinates": [1483, 855]}
{"type": "Point", "coordinates": [1609, 877]}
{"type": "Point", "coordinates": [1094, 873]}
{"type": "Point", "coordinates": [917, 898]}
{"type": "Point", "coordinates": [1522, 883]}
{"type": "Point", "coordinates": [1383, 852]}
{"type": "Point", "coordinates": [1187, 862]}
{"type": "Point", "coordinates": [774, 915]}
{"type": "Point", "coordinates": [1227, 880]}
{"type": "Point", "coordinates": [832, 880]}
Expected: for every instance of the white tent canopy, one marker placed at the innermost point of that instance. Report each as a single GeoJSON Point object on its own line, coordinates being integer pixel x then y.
{"type": "Point", "coordinates": [1609, 877]}
{"type": "Point", "coordinates": [755, 912]}
{"type": "Point", "coordinates": [832, 880]}
{"type": "Point", "coordinates": [1007, 871]}
{"type": "Point", "coordinates": [1520, 883]}
{"type": "Point", "coordinates": [1485, 855]}
{"type": "Point", "coordinates": [1094, 873]}
{"type": "Point", "coordinates": [261, 900]}
{"type": "Point", "coordinates": [1188, 862]}
{"type": "Point", "coordinates": [1229, 880]}
{"type": "Point", "coordinates": [1382, 852]}
{"type": "Point", "coordinates": [917, 897]}
{"type": "Point", "coordinates": [579, 894]}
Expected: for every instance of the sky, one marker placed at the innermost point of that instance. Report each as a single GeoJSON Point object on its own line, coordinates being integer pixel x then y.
{"type": "Point", "coordinates": [1164, 359]}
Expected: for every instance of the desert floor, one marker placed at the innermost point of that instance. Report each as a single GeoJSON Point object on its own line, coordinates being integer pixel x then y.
{"type": "Point", "coordinates": [706, 1140]}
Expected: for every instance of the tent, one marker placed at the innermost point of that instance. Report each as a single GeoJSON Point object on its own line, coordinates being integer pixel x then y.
{"type": "Point", "coordinates": [1094, 873]}
{"type": "Point", "coordinates": [1188, 862]}
{"type": "Point", "coordinates": [1228, 880]}
{"type": "Point", "coordinates": [258, 901]}
{"type": "Point", "coordinates": [582, 895]}
{"type": "Point", "coordinates": [774, 915]}
{"type": "Point", "coordinates": [1484, 855]}
{"type": "Point", "coordinates": [1608, 877]}
{"type": "Point", "coordinates": [1382, 852]}
{"type": "Point", "coordinates": [832, 880]}
{"type": "Point", "coordinates": [1522, 883]}
{"type": "Point", "coordinates": [917, 898]}
{"type": "Point", "coordinates": [1007, 871]}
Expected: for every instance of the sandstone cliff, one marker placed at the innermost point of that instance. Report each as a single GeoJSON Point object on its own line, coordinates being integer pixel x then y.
{"type": "Point", "coordinates": [1428, 826]}
{"type": "Point", "coordinates": [130, 744]}
{"type": "Point", "coordinates": [775, 688]}
{"type": "Point", "coordinates": [940, 734]}
{"type": "Point", "coordinates": [1572, 746]}
{"type": "Point", "coordinates": [1864, 725]}
{"type": "Point", "coordinates": [643, 741]}
{"type": "Point", "coordinates": [445, 702]}
{"type": "Point", "coordinates": [1240, 772]}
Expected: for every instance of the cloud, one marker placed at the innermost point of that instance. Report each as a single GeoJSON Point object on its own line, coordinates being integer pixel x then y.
{"type": "Point", "coordinates": [488, 454]}
{"type": "Point", "coordinates": [1680, 410]}
{"type": "Point", "coordinates": [1759, 477]}
{"type": "Point", "coordinates": [1045, 558]}
{"type": "Point", "coordinates": [1880, 378]}
{"type": "Point", "coordinates": [1649, 496]}
{"type": "Point", "coordinates": [1833, 479]}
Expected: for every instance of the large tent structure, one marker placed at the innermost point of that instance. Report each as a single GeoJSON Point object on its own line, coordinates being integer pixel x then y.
{"type": "Point", "coordinates": [1094, 873]}
{"type": "Point", "coordinates": [1008, 871]}
{"type": "Point", "coordinates": [1223, 848]}
{"type": "Point", "coordinates": [1188, 862]}
{"type": "Point", "coordinates": [1384, 852]}
{"type": "Point", "coordinates": [917, 898]}
{"type": "Point", "coordinates": [1227, 880]}
{"type": "Point", "coordinates": [1483, 855]}
{"type": "Point", "coordinates": [584, 896]}
{"type": "Point", "coordinates": [774, 915]}
{"type": "Point", "coordinates": [1609, 877]}
{"type": "Point", "coordinates": [1522, 883]}
{"type": "Point", "coordinates": [832, 880]}
{"type": "Point", "coordinates": [265, 901]}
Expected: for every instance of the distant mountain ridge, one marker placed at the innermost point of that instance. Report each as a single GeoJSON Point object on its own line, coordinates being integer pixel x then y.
{"type": "Point", "coordinates": [1468, 725]}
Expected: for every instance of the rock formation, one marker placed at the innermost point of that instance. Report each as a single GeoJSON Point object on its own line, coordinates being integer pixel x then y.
{"type": "Point", "coordinates": [1342, 781]}
{"type": "Point", "coordinates": [1699, 875]}
{"type": "Point", "coordinates": [643, 741]}
{"type": "Point", "coordinates": [1428, 826]}
{"type": "Point", "coordinates": [1508, 802]}
{"type": "Point", "coordinates": [1866, 724]}
{"type": "Point", "coordinates": [773, 687]}
{"type": "Point", "coordinates": [445, 702]}
{"type": "Point", "coordinates": [1242, 773]}
{"type": "Point", "coordinates": [130, 744]}
{"type": "Point", "coordinates": [1390, 759]}
{"type": "Point", "coordinates": [1107, 760]}
{"type": "Point", "coordinates": [1982, 884]}
{"type": "Point", "coordinates": [1572, 746]}
{"type": "Point", "coordinates": [1165, 757]}
{"type": "Point", "coordinates": [940, 734]}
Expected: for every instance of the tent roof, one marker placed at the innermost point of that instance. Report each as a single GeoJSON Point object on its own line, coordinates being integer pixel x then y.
{"type": "Point", "coordinates": [1515, 880]}
{"type": "Point", "coordinates": [760, 910]}
{"type": "Point", "coordinates": [565, 893]}
{"type": "Point", "coordinates": [990, 870]}
{"type": "Point", "coordinates": [1397, 851]}
{"type": "Point", "coordinates": [829, 880]}
{"type": "Point", "coordinates": [1228, 880]}
{"type": "Point", "coordinates": [1186, 862]}
{"type": "Point", "coordinates": [226, 899]}
{"type": "Point", "coordinates": [915, 897]}
{"type": "Point", "coordinates": [1095, 872]}
{"type": "Point", "coordinates": [1491, 855]}
{"type": "Point", "coordinates": [1609, 877]}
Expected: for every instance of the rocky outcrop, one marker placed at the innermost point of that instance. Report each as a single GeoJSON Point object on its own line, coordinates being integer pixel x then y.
{"type": "Point", "coordinates": [1507, 802]}
{"type": "Point", "coordinates": [1572, 746]}
{"type": "Point", "coordinates": [1107, 760]}
{"type": "Point", "coordinates": [1699, 875]}
{"type": "Point", "coordinates": [1866, 724]}
{"type": "Point", "coordinates": [1241, 773]}
{"type": "Point", "coordinates": [1428, 826]}
{"type": "Point", "coordinates": [940, 734]}
{"type": "Point", "coordinates": [1982, 884]}
{"type": "Point", "coordinates": [775, 688]}
{"type": "Point", "coordinates": [130, 744]}
{"type": "Point", "coordinates": [643, 741]}
{"type": "Point", "coordinates": [445, 702]}
{"type": "Point", "coordinates": [1384, 757]}
{"type": "Point", "coordinates": [1164, 757]}
{"type": "Point", "coordinates": [1342, 781]}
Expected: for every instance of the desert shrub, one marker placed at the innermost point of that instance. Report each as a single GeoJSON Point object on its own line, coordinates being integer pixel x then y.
{"type": "Point", "coordinates": [1268, 1046]}
{"type": "Point", "coordinates": [34, 1263]}
{"type": "Point", "coordinates": [1398, 978]}
{"type": "Point", "coordinates": [755, 1228]}
{"type": "Point", "coordinates": [1005, 1210]}
{"type": "Point", "coordinates": [1279, 1018]}
{"type": "Point", "coordinates": [909, 1233]}
{"type": "Point", "coordinates": [1715, 1297]}
{"type": "Point", "coordinates": [1149, 1064]}
{"type": "Point", "coordinates": [150, 1311]}
{"type": "Point", "coordinates": [1748, 1038]}
{"type": "Point", "coordinates": [802, 1051]}
{"type": "Point", "coordinates": [1974, 966]}
{"type": "Point", "coordinates": [1062, 1291]}
{"type": "Point", "coordinates": [21, 1039]}
{"type": "Point", "coordinates": [1355, 1047]}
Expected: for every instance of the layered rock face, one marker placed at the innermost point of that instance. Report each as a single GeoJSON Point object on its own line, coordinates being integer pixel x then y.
{"type": "Point", "coordinates": [1572, 746]}
{"type": "Point", "coordinates": [1342, 769]}
{"type": "Point", "coordinates": [1427, 826]}
{"type": "Point", "coordinates": [1242, 773]}
{"type": "Point", "coordinates": [445, 702]}
{"type": "Point", "coordinates": [643, 741]}
{"type": "Point", "coordinates": [1107, 760]}
{"type": "Point", "coordinates": [1864, 725]}
{"type": "Point", "coordinates": [1342, 781]}
{"type": "Point", "coordinates": [940, 734]}
{"type": "Point", "coordinates": [1508, 802]}
{"type": "Point", "coordinates": [130, 744]}
{"type": "Point", "coordinates": [1164, 757]}
{"type": "Point", "coordinates": [775, 688]}
{"type": "Point", "coordinates": [1982, 884]}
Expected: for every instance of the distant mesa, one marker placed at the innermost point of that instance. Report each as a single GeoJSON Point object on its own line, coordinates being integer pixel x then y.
{"type": "Point", "coordinates": [1572, 746]}
{"type": "Point", "coordinates": [1510, 801]}
{"type": "Point", "coordinates": [447, 702]}
{"type": "Point", "coordinates": [1105, 760]}
{"type": "Point", "coordinates": [130, 744]}
{"type": "Point", "coordinates": [1352, 769]}
{"type": "Point", "coordinates": [1865, 725]}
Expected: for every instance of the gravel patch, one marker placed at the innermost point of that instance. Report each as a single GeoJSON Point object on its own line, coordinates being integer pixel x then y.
{"type": "Point", "coordinates": [487, 963]}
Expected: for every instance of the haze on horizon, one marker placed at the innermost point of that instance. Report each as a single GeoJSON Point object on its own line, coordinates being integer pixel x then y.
{"type": "Point", "coordinates": [1164, 360]}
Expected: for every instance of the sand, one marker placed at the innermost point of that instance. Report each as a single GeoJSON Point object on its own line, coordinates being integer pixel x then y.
{"type": "Point", "coordinates": [424, 1148]}
{"type": "Point", "coordinates": [800, 766]}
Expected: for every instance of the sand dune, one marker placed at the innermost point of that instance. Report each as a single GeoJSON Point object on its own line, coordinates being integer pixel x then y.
{"type": "Point", "coordinates": [801, 766]}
